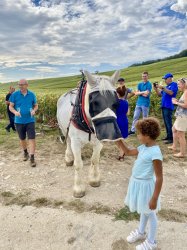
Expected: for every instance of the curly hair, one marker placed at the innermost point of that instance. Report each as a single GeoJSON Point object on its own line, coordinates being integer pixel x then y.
{"type": "Point", "coordinates": [149, 126]}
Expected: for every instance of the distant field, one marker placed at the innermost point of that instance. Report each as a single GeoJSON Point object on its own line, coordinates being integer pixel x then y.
{"type": "Point", "coordinates": [132, 75]}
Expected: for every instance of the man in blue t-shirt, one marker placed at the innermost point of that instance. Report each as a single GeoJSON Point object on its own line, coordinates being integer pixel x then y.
{"type": "Point", "coordinates": [167, 93]}
{"type": "Point", "coordinates": [143, 102]}
{"type": "Point", "coordinates": [24, 105]}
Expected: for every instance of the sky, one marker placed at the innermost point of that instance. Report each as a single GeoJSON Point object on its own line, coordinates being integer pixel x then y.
{"type": "Point", "coordinates": [56, 38]}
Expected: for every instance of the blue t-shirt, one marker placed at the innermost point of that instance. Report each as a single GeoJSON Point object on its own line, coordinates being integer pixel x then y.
{"type": "Point", "coordinates": [23, 104]}
{"type": "Point", "coordinates": [143, 166]}
{"type": "Point", "coordinates": [166, 99]}
{"type": "Point", "coordinates": [142, 100]}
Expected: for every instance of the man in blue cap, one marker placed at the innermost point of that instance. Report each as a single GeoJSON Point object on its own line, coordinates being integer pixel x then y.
{"type": "Point", "coordinates": [167, 93]}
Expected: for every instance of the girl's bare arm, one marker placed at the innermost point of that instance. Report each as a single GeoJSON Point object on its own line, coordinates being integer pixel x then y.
{"type": "Point", "coordinates": [126, 150]}
{"type": "Point", "coordinates": [157, 164]}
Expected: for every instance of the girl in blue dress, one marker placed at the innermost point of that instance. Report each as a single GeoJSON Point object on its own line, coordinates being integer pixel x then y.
{"type": "Point", "coordinates": [122, 119]}
{"type": "Point", "coordinates": [145, 182]}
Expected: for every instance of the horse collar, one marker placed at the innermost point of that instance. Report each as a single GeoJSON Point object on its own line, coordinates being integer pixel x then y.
{"type": "Point", "coordinates": [79, 118]}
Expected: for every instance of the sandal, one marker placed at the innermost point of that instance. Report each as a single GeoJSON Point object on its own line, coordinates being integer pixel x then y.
{"type": "Point", "coordinates": [121, 158]}
{"type": "Point", "coordinates": [172, 148]}
{"type": "Point", "coordinates": [179, 155]}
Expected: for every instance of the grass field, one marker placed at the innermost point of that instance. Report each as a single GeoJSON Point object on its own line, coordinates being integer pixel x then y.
{"type": "Point", "coordinates": [132, 75]}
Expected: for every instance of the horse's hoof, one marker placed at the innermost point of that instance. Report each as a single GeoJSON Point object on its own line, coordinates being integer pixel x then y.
{"type": "Point", "coordinates": [79, 195]}
{"type": "Point", "coordinates": [69, 164]}
{"type": "Point", "coordinates": [95, 183]}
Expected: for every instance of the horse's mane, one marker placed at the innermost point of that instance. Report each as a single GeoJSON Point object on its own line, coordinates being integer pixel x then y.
{"type": "Point", "coordinates": [105, 84]}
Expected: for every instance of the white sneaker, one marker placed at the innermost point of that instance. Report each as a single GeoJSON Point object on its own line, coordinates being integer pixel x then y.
{"type": "Point", "coordinates": [146, 245]}
{"type": "Point", "coordinates": [135, 236]}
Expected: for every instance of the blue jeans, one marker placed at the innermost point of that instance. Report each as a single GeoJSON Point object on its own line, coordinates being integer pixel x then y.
{"type": "Point", "coordinates": [137, 112]}
{"type": "Point", "coordinates": [11, 119]}
{"type": "Point", "coordinates": [167, 117]}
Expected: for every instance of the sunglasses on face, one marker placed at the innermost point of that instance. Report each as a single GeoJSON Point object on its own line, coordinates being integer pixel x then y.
{"type": "Point", "coordinates": [182, 80]}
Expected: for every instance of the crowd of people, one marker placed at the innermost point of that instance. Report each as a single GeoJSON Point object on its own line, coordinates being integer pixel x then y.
{"type": "Point", "coordinates": [175, 133]}
{"type": "Point", "coordinates": [146, 180]}
{"type": "Point", "coordinates": [143, 194]}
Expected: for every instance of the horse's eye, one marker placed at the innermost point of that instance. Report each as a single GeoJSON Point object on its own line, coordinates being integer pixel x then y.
{"type": "Point", "coordinates": [96, 103]}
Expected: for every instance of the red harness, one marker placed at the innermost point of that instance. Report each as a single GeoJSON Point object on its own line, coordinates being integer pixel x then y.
{"type": "Point", "coordinates": [79, 118]}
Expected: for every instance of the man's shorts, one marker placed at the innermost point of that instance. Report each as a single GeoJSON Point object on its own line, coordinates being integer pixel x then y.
{"type": "Point", "coordinates": [26, 129]}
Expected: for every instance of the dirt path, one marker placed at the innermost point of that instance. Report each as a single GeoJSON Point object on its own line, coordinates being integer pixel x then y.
{"type": "Point", "coordinates": [58, 229]}
{"type": "Point", "coordinates": [38, 210]}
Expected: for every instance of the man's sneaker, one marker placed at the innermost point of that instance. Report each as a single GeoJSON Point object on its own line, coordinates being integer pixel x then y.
{"type": "Point", "coordinates": [25, 156]}
{"type": "Point", "coordinates": [135, 236]}
{"type": "Point", "coordinates": [169, 142]}
{"type": "Point", "coordinates": [7, 129]}
{"type": "Point", "coordinates": [146, 245]}
{"type": "Point", "coordinates": [165, 138]}
{"type": "Point", "coordinates": [33, 163]}
{"type": "Point", "coordinates": [131, 132]}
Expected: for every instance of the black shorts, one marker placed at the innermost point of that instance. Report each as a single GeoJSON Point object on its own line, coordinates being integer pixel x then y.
{"type": "Point", "coordinates": [26, 129]}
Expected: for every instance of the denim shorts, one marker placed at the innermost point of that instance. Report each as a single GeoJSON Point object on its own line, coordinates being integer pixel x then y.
{"type": "Point", "coordinates": [26, 129]}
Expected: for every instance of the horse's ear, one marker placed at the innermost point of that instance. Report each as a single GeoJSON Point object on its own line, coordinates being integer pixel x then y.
{"type": "Point", "coordinates": [115, 77]}
{"type": "Point", "coordinates": [90, 78]}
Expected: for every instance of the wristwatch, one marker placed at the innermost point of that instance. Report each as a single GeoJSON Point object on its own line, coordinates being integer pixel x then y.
{"type": "Point", "coordinates": [163, 88]}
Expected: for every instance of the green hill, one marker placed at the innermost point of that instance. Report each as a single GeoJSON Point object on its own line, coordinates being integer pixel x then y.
{"type": "Point", "coordinates": [178, 67]}
{"type": "Point", "coordinates": [179, 55]}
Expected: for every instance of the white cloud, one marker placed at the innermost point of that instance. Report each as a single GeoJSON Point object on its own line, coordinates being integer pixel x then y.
{"type": "Point", "coordinates": [46, 69]}
{"type": "Point", "coordinates": [43, 69]}
{"type": "Point", "coordinates": [87, 32]}
{"type": "Point", "coordinates": [180, 6]}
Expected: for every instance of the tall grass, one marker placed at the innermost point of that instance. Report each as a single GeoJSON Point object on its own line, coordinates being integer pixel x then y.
{"type": "Point", "coordinates": [48, 106]}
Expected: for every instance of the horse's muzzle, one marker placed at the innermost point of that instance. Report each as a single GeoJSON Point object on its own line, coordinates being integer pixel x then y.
{"type": "Point", "coordinates": [106, 129]}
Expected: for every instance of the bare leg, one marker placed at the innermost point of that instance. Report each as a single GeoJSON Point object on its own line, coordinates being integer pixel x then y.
{"type": "Point", "coordinates": [94, 173]}
{"type": "Point", "coordinates": [32, 146]}
{"type": "Point", "coordinates": [121, 152]}
{"type": "Point", "coordinates": [23, 144]}
{"type": "Point", "coordinates": [182, 143]}
{"type": "Point", "coordinates": [175, 139]}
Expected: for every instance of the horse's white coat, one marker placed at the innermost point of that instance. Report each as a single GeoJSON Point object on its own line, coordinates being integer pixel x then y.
{"type": "Point", "coordinates": [77, 138]}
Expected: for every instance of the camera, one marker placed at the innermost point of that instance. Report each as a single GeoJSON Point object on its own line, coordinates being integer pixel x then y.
{"type": "Point", "coordinates": [155, 84]}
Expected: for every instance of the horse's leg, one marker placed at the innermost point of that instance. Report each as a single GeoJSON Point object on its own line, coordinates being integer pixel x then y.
{"type": "Point", "coordinates": [94, 173]}
{"type": "Point", "coordinates": [79, 187]}
{"type": "Point", "coordinates": [69, 158]}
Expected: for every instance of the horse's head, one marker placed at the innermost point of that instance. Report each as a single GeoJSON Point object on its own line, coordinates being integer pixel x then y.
{"type": "Point", "coordinates": [101, 104]}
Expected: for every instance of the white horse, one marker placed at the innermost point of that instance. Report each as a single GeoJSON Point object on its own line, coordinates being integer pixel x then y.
{"type": "Point", "coordinates": [99, 106]}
